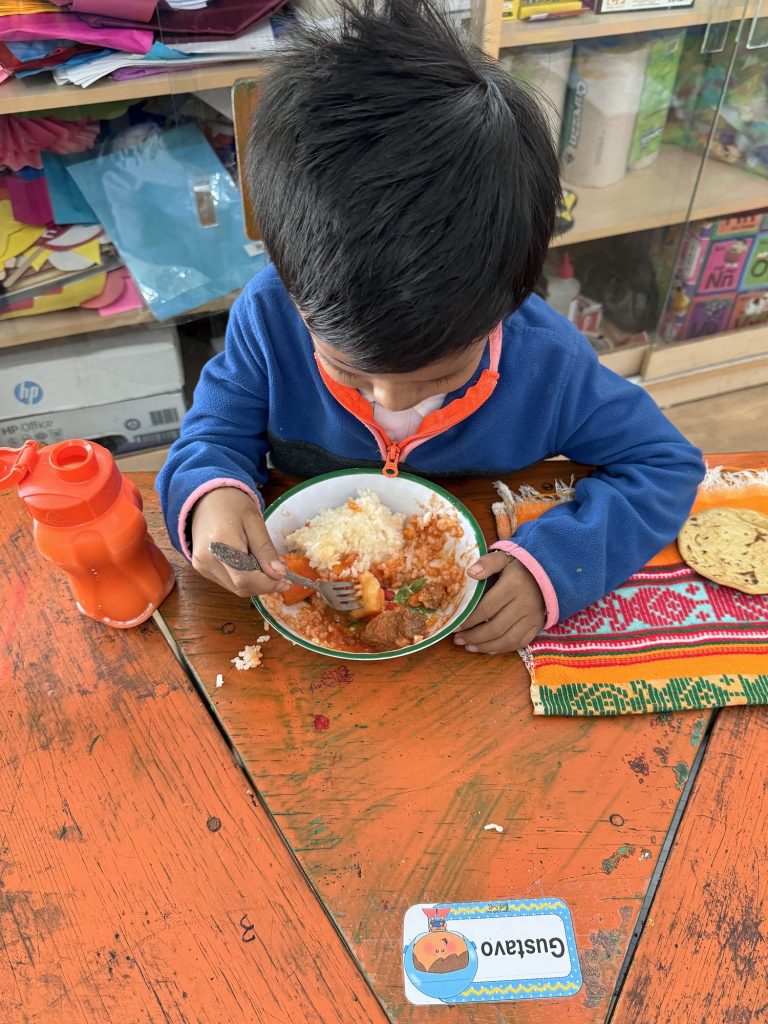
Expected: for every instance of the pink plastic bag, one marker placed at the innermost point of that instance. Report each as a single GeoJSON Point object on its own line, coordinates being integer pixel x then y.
{"type": "Point", "coordinates": [21, 27]}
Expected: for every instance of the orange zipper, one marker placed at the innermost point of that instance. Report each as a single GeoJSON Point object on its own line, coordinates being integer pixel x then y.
{"type": "Point", "coordinates": [351, 400]}
{"type": "Point", "coordinates": [393, 458]}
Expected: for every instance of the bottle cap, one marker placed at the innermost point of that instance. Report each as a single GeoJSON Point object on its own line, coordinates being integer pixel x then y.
{"type": "Point", "coordinates": [71, 483]}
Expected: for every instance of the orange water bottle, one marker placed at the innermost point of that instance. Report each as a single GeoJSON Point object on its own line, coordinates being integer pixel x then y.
{"type": "Point", "coordinates": [88, 521]}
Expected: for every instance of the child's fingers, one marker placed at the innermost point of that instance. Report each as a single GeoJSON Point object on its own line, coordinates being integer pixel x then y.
{"type": "Point", "coordinates": [488, 565]}
{"type": "Point", "coordinates": [497, 597]}
{"type": "Point", "coordinates": [260, 544]}
{"type": "Point", "coordinates": [519, 636]}
{"type": "Point", "coordinates": [243, 584]}
{"type": "Point", "coordinates": [254, 584]}
{"type": "Point", "coordinates": [493, 629]}
{"type": "Point", "coordinates": [491, 604]}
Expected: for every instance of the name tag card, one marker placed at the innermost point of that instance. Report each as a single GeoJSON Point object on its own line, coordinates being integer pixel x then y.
{"type": "Point", "coordinates": [489, 952]}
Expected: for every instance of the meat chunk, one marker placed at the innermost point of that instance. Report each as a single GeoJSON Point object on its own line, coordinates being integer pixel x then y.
{"type": "Point", "coordinates": [431, 595]}
{"type": "Point", "coordinates": [393, 629]}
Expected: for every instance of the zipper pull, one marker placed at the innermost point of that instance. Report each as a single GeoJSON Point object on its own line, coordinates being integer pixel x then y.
{"type": "Point", "coordinates": [393, 457]}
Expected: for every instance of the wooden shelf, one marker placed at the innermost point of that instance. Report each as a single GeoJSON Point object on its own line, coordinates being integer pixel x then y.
{"type": "Point", "coordinates": [40, 92]}
{"type": "Point", "coordinates": [26, 330]}
{"type": "Point", "coordinates": [680, 358]}
{"type": "Point", "coordinates": [661, 195]}
{"type": "Point", "coordinates": [588, 26]}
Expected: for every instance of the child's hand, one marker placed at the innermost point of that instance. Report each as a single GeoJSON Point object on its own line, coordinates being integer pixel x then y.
{"type": "Point", "coordinates": [230, 516]}
{"type": "Point", "coordinates": [510, 614]}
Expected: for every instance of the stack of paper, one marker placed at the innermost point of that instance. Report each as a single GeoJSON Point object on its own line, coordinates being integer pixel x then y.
{"type": "Point", "coordinates": [257, 41]}
{"type": "Point", "coordinates": [183, 56]}
{"type": "Point", "coordinates": [187, 5]}
{"type": "Point", "coordinates": [81, 41]}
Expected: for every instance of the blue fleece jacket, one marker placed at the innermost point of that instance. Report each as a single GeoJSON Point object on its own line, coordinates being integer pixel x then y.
{"type": "Point", "coordinates": [264, 396]}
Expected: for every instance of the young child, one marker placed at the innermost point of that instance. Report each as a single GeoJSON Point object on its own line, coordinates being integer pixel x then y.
{"type": "Point", "coordinates": [406, 188]}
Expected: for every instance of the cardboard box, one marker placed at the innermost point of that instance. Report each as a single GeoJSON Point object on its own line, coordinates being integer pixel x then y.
{"type": "Point", "coordinates": [121, 427]}
{"type": "Point", "coordinates": [92, 370]}
{"type": "Point", "coordinates": [123, 390]}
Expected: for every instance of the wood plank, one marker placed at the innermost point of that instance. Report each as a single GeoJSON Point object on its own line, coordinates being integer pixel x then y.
{"type": "Point", "coordinates": [133, 857]}
{"type": "Point", "coordinates": [627, 362]}
{"type": "Point", "coordinates": [702, 956]}
{"type": "Point", "coordinates": [384, 797]}
{"type": "Point", "coordinates": [684, 356]}
{"type": "Point", "coordinates": [710, 381]}
{"type": "Point", "coordinates": [486, 24]}
{"type": "Point", "coordinates": [69, 323]}
{"type": "Point", "coordinates": [245, 98]}
{"type": "Point", "coordinates": [149, 461]}
{"type": "Point", "coordinates": [40, 92]}
{"type": "Point", "coordinates": [66, 323]}
{"type": "Point", "coordinates": [661, 194]}
{"type": "Point", "coordinates": [588, 26]}
{"type": "Point", "coordinates": [731, 422]}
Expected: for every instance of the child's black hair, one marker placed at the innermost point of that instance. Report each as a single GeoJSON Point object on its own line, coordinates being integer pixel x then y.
{"type": "Point", "coordinates": [405, 184]}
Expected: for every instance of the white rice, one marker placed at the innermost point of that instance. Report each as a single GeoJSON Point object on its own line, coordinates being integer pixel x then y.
{"type": "Point", "coordinates": [363, 527]}
{"type": "Point", "coordinates": [249, 657]}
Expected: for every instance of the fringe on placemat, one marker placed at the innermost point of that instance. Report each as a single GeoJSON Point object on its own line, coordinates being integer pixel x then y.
{"type": "Point", "coordinates": [505, 514]}
{"type": "Point", "coordinates": [505, 510]}
{"type": "Point", "coordinates": [720, 478]}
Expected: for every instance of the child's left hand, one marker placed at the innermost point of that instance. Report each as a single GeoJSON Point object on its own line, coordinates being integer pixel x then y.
{"type": "Point", "coordinates": [510, 614]}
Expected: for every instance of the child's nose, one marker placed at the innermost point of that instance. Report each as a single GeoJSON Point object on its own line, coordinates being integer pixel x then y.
{"type": "Point", "coordinates": [396, 397]}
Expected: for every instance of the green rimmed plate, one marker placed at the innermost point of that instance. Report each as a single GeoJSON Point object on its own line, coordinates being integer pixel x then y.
{"type": "Point", "coordinates": [403, 493]}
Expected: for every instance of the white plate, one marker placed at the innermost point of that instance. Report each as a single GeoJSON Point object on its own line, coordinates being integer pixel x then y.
{"type": "Point", "coordinates": [403, 493]}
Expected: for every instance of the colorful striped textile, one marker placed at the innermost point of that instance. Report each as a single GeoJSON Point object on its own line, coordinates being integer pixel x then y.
{"type": "Point", "coordinates": [666, 640]}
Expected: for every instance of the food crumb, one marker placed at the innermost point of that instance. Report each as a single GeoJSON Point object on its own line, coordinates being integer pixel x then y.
{"type": "Point", "coordinates": [492, 827]}
{"type": "Point", "coordinates": [262, 639]}
{"type": "Point", "coordinates": [266, 626]}
{"type": "Point", "coordinates": [249, 657]}
{"type": "Point", "coordinates": [219, 681]}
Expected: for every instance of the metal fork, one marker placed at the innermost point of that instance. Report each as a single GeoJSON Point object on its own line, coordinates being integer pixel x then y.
{"type": "Point", "coordinates": [343, 596]}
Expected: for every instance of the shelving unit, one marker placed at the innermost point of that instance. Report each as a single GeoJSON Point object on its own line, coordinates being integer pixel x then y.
{"type": "Point", "coordinates": [661, 195]}
{"type": "Point", "coordinates": [590, 26]}
{"type": "Point", "coordinates": [41, 93]}
{"type": "Point", "coordinates": [681, 184]}
{"type": "Point", "coordinates": [27, 330]}
{"type": "Point", "coordinates": [657, 196]}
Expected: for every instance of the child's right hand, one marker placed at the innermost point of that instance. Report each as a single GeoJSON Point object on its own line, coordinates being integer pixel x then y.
{"type": "Point", "coordinates": [230, 516]}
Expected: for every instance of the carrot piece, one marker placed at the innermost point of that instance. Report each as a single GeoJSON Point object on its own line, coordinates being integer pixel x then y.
{"type": "Point", "coordinates": [300, 565]}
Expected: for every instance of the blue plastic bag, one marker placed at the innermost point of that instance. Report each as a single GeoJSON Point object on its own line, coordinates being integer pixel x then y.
{"type": "Point", "coordinates": [174, 214]}
{"type": "Point", "coordinates": [68, 202]}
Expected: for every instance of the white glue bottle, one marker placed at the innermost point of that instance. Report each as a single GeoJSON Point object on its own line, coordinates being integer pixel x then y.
{"type": "Point", "coordinates": [562, 291]}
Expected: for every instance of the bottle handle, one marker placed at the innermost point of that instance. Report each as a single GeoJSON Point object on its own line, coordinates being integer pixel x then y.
{"type": "Point", "coordinates": [16, 463]}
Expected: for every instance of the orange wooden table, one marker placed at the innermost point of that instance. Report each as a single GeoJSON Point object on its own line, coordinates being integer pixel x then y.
{"type": "Point", "coordinates": [381, 778]}
{"type": "Point", "coordinates": [141, 878]}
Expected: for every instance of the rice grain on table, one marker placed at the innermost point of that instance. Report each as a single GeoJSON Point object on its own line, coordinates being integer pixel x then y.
{"type": "Point", "coordinates": [249, 657]}
{"type": "Point", "coordinates": [363, 527]}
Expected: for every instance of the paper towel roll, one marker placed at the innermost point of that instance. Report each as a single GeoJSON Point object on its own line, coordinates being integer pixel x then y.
{"type": "Point", "coordinates": [546, 69]}
{"type": "Point", "coordinates": [604, 92]}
